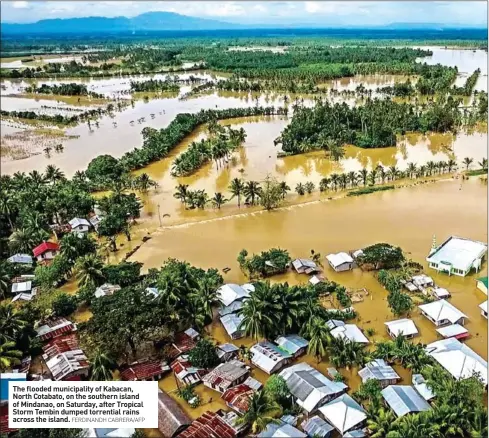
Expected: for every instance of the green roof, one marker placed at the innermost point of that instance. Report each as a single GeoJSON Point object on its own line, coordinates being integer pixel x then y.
{"type": "Point", "coordinates": [483, 280]}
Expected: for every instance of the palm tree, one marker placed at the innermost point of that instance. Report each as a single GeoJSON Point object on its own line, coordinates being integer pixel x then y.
{"type": "Point", "coordinates": [352, 178]}
{"type": "Point", "coordinates": [21, 240]}
{"type": "Point", "coordinates": [363, 175]}
{"type": "Point", "coordinates": [9, 356]}
{"type": "Point", "coordinates": [335, 179]}
{"type": "Point", "coordinates": [430, 167]}
{"type": "Point", "coordinates": [345, 353]}
{"type": "Point", "coordinates": [101, 366]}
{"type": "Point", "coordinates": [4, 281]}
{"type": "Point", "coordinates": [319, 337]}
{"type": "Point", "coordinates": [181, 193]}
{"type": "Point", "coordinates": [393, 173]}
{"type": "Point", "coordinates": [53, 174]}
{"type": "Point", "coordinates": [206, 294]}
{"type": "Point", "coordinates": [237, 188]}
{"type": "Point", "coordinates": [309, 187]}
{"type": "Point", "coordinates": [410, 426]}
{"type": "Point", "coordinates": [284, 188]}
{"type": "Point", "coordinates": [89, 270]}
{"type": "Point", "coordinates": [382, 174]}
{"type": "Point", "coordinates": [483, 163]}
{"type": "Point", "coordinates": [324, 184]}
{"type": "Point", "coordinates": [7, 207]}
{"type": "Point", "coordinates": [411, 169]}
{"type": "Point", "coordinates": [451, 164]}
{"type": "Point", "coordinates": [143, 182]}
{"type": "Point", "coordinates": [372, 176]}
{"type": "Point", "coordinates": [218, 200]}
{"type": "Point", "coordinates": [467, 162]}
{"type": "Point", "coordinates": [261, 412]}
{"type": "Point", "coordinates": [300, 189]}
{"type": "Point", "coordinates": [252, 191]}
{"type": "Point", "coordinates": [380, 423]}
{"type": "Point", "coordinates": [11, 322]}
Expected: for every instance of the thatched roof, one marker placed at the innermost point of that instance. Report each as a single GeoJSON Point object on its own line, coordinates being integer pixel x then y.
{"type": "Point", "coordinates": [171, 418]}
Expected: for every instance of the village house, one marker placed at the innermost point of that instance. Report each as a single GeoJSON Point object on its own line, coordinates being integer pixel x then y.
{"type": "Point", "coordinates": [94, 220]}
{"type": "Point", "coordinates": [152, 291]}
{"type": "Point", "coordinates": [106, 289]}
{"type": "Point", "coordinates": [482, 284]}
{"type": "Point", "coordinates": [218, 424]}
{"type": "Point", "coordinates": [183, 342]}
{"type": "Point", "coordinates": [311, 388]}
{"type": "Point", "coordinates": [403, 400]}
{"type": "Point", "coordinates": [268, 357]}
{"type": "Point", "coordinates": [171, 418]}
{"type": "Point", "coordinates": [79, 226]}
{"type": "Point", "coordinates": [404, 327]}
{"type": "Point", "coordinates": [305, 266]}
{"type": "Point", "coordinates": [341, 262]}
{"type": "Point", "coordinates": [232, 325]}
{"type": "Point", "coordinates": [238, 397]}
{"type": "Point", "coordinates": [281, 429]}
{"type": "Point", "coordinates": [350, 332]}
{"type": "Point", "coordinates": [344, 413]}
{"type": "Point", "coordinates": [185, 372]}
{"type": "Point", "coordinates": [295, 345]}
{"type": "Point", "coordinates": [232, 297]}
{"type": "Point", "coordinates": [23, 287]}
{"type": "Point", "coordinates": [46, 251]}
{"type": "Point", "coordinates": [149, 369]}
{"type": "Point", "coordinates": [253, 383]}
{"type": "Point", "coordinates": [54, 327]}
{"type": "Point", "coordinates": [226, 352]}
{"type": "Point", "coordinates": [483, 308]}
{"type": "Point", "coordinates": [457, 256]}
{"type": "Point", "coordinates": [458, 359]}
{"type": "Point", "coordinates": [379, 370]}
{"type": "Point", "coordinates": [453, 331]}
{"type": "Point", "coordinates": [226, 375]}
{"type": "Point", "coordinates": [20, 259]}
{"type": "Point", "coordinates": [421, 386]}
{"type": "Point", "coordinates": [25, 296]}
{"type": "Point", "coordinates": [316, 427]}
{"type": "Point", "coordinates": [442, 312]}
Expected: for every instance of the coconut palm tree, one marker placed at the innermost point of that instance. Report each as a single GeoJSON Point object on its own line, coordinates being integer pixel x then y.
{"type": "Point", "coordinates": [300, 189]}
{"type": "Point", "coordinates": [252, 191]}
{"type": "Point", "coordinates": [372, 176]}
{"type": "Point", "coordinates": [4, 281]}
{"type": "Point", "coordinates": [284, 189]}
{"type": "Point", "coordinates": [181, 193]}
{"type": "Point", "coordinates": [237, 188]}
{"type": "Point", "coordinates": [483, 163]}
{"type": "Point", "coordinates": [206, 294]}
{"type": "Point", "coordinates": [319, 337]}
{"type": "Point", "coordinates": [101, 367]}
{"type": "Point", "coordinates": [345, 353]}
{"type": "Point", "coordinates": [324, 184]}
{"type": "Point", "coordinates": [53, 174]}
{"type": "Point", "coordinates": [21, 240]}
{"type": "Point", "coordinates": [9, 355]}
{"type": "Point", "coordinates": [11, 322]}
{"type": "Point", "coordinates": [309, 187]}
{"type": "Point", "coordinates": [143, 182]}
{"type": "Point", "coordinates": [202, 199]}
{"type": "Point", "coordinates": [89, 270]}
{"type": "Point", "coordinates": [261, 412]}
{"type": "Point", "coordinates": [7, 207]}
{"type": "Point", "coordinates": [382, 173]}
{"type": "Point", "coordinates": [430, 167]}
{"type": "Point", "coordinates": [380, 423]}
{"type": "Point", "coordinates": [335, 179]}
{"type": "Point", "coordinates": [363, 174]}
{"type": "Point", "coordinates": [352, 178]}
{"type": "Point", "coordinates": [410, 426]}
{"type": "Point", "coordinates": [218, 200]}
{"type": "Point", "coordinates": [451, 165]}
{"type": "Point", "coordinates": [467, 162]}
{"type": "Point", "coordinates": [393, 173]}
{"type": "Point", "coordinates": [411, 169]}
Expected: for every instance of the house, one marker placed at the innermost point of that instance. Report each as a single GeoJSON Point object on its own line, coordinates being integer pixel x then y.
{"type": "Point", "coordinates": [316, 427]}
{"type": "Point", "coordinates": [24, 287]}
{"type": "Point", "coordinates": [238, 397]}
{"type": "Point", "coordinates": [232, 325]}
{"type": "Point", "coordinates": [422, 281]}
{"type": "Point", "coordinates": [94, 220]}
{"type": "Point", "coordinates": [69, 365]}
{"type": "Point", "coordinates": [25, 296]}
{"type": "Point", "coordinates": [311, 388]}
{"type": "Point", "coordinates": [5, 378]}
{"type": "Point", "coordinates": [440, 293]}
{"type": "Point", "coordinates": [79, 225]}
{"type": "Point", "coordinates": [281, 429]}
{"type": "Point", "coordinates": [268, 357]}
{"type": "Point", "coordinates": [381, 371]}
{"type": "Point", "coordinates": [423, 389]}
{"type": "Point", "coordinates": [171, 418]}
{"type": "Point", "coordinates": [457, 256]}
{"type": "Point", "coordinates": [344, 413]}
{"type": "Point", "coordinates": [232, 308]}
{"type": "Point", "coordinates": [185, 372]}
{"type": "Point", "coordinates": [149, 369]}
{"type": "Point", "coordinates": [350, 332]}
{"type": "Point", "coordinates": [341, 262]}
{"type": "Point", "coordinates": [110, 433]}
{"type": "Point", "coordinates": [54, 327]}
{"type": "Point", "coordinates": [453, 331]}
{"type": "Point", "coordinates": [183, 342]}
{"type": "Point", "coordinates": [404, 399]}
{"type": "Point", "coordinates": [228, 293]}
{"type": "Point", "coordinates": [483, 308]}
{"type": "Point", "coordinates": [458, 359]}
{"type": "Point", "coordinates": [315, 279]}
{"type": "Point", "coordinates": [441, 312]}
{"type": "Point", "coordinates": [226, 352]}
{"type": "Point", "coordinates": [213, 425]}
{"type": "Point", "coordinates": [253, 383]}
{"type": "Point", "coordinates": [20, 259]}
{"type": "Point", "coordinates": [404, 326]}
{"type": "Point", "coordinates": [305, 266]}
{"type": "Point", "coordinates": [106, 289]}
{"type": "Point", "coordinates": [292, 344]}
{"type": "Point", "coordinates": [46, 251]}
{"type": "Point", "coordinates": [482, 284]}
{"type": "Point", "coordinates": [226, 375]}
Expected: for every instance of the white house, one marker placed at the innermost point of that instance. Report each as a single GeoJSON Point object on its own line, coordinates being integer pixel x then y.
{"type": "Point", "coordinates": [344, 413]}
{"type": "Point", "coordinates": [457, 256]}
{"type": "Point", "coordinates": [304, 266]}
{"type": "Point", "coordinates": [268, 357]}
{"type": "Point", "coordinates": [441, 312]}
{"type": "Point", "coordinates": [293, 344]}
{"type": "Point", "coordinates": [381, 371]}
{"type": "Point", "coordinates": [23, 287]}
{"type": "Point", "coordinates": [483, 308]}
{"type": "Point", "coordinates": [79, 225]}
{"type": "Point", "coordinates": [453, 331]}
{"type": "Point", "coordinates": [404, 326]}
{"type": "Point", "coordinates": [232, 325]}
{"type": "Point", "coordinates": [350, 332]}
{"type": "Point", "coordinates": [21, 259]}
{"type": "Point", "coordinates": [228, 293]}
{"type": "Point", "coordinates": [340, 262]}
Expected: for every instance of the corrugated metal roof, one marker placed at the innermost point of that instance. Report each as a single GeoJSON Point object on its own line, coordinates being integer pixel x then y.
{"type": "Point", "coordinates": [267, 355]}
{"type": "Point", "coordinates": [232, 308]}
{"type": "Point", "coordinates": [403, 326]}
{"type": "Point", "coordinates": [441, 310]}
{"type": "Point", "coordinates": [291, 343]}
{"type": "Point", "coordinates": [452, 330]}
{"type": "Point", "coordinates": [459, 252]}
{"type": "Point", "coordinates": [350, 332]}
{"type": "Point", "coordinates": [344, 413]}
{"type": "Point", "coordinates": [282, 430]}
{"type": "Point", "coordinates": [404, 400]}
{"type": "Point", "coordinates": [231, 323]}
{"type": "Point", "coordinates": [231, 292]}
{"type": "Point", "coordinates": [378, 370]}
{"type": "Point", "coordinates": [317, 427]}
{"type": "Point", "coordinates": [420, 385]}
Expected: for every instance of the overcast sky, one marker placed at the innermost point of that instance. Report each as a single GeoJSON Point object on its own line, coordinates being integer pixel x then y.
{"type": "Point", "coordinates": [265, 12]}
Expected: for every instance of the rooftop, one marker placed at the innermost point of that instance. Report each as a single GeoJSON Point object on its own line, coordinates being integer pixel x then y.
{"type": "Point", "coordinates": [21, 258]}
{"type": "Point", "coordinates": [62, 365]}
{"type": "Point", "coordinates": [404, 399]}
{"type": "Point", "coordinates": [350, 332]}
{"type": "Point", "coordinates": [171, 418]}
{"type": "Point", "coordinates": [144, 369]}
{"type": "Point", "coordinates": [231, 323]}
{"type": "Point", "coordinates": [379, 370]}
{"type": "Point", "coordinates": [225, 374]}
{"type": "Point", "coordinates": [420, 385]}
{"type": "Point", "coordinates": [483, 306]}
{"type": "Point", "coordinates": [230, 292]}
{"type": "Point", "coordinates": [454, 330]}
{"type": "Point", "coordinates": [209, 425]}
{"type": "Point", "coordinates": [266, 355]}
{"type": "Point", "coordinates": [21, 287]}
{"type": "Point", "coordinates": [317, 427]}
{"type": "Point", "coordinates": [54, 327]}
{"type": "Point", "coordinates": [339, 259]}
{"type": "Point", "coordinates": [281, 430]}
{"type": "Point", "coordinates": [43, 247]}
{"type": "Point", "coordinates": [403, 326]}
{"type": "Point", "coordinates": [344, 413]}
{"type": "Point", "coordinates": [291, 343]}
{"type": "Point", "coordinates": [483, 280]}
{"type": "Point", "coordinates": [77, 221]}
{"type": "Point", "coordinates": [441, 309]}
{"type": "Point", "coordinates": [238, 397]}
{"type": "Point", "coordinates": [458, 252]}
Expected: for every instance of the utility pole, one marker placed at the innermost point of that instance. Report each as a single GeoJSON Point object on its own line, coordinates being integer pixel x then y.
{"type": "Point", "coordinates": [159, 215]}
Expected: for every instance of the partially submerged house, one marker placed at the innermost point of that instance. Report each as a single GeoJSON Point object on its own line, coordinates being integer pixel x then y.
{"type": "Point", "coordinates": [46, 251]}
{"type": "Point", "coordinates": [295, 345]}
{"type": "Point", "coordinates": [145, 370]}
{"type": "Point", "coordinates": [106, 289]}
{"type": "Point", "coordinates": [213, 425]}
{"type": "Point", "coordinates": [20, 259]}
{"type": "Point", "coordinates": [457, 256]}
{"type": "Point", "coordinates": [171, 418]}
{"type": "Point", "coordinates": [185, 372]}
{"type": "Point", "coordinates": [349, 332]}
{"type": "Point", "coordinates": [79, 225]}
{"type": "Point", "coordinates": [228, 293]}
{"type": "Point", "coordinates": [404, 327]}
{"type": "Point", "coordinates": [344, 413]}
{"type": "Point", "coordinates": [25, 296]}
{"type": "Point", "coordinates": [453, 331]}
{"type": "Point", "coordinates": [441, 313]}
{"type": "Point", "coordinates": [483, 308]}
{"type": "Point", "coordinates": [316, 427]}
{"type": "Point", "coordinates": [238, 397]}
{"type": "Point", "coordinates": [381, 371]}
{"type": "Point", "coordinates": [403, 400]}
{"type": "Point", "coordinates": [226, 375]}
{"type": "Point", "coordinates": [310, 388]}
{"type": "Point", "coordinates": [268, 357]}
{"type": "Point", "coordinates": [458, 359]}
{"type": "Point", "coordinates": [305, 266]}
{"type": "Point", "coordinates": [341, 262]}
{"type": "Point", "coordinates": [54, 327]}
{"type": "Point", "coordinates": [421, 386]}
{"type": "Point", "coordinates": [232, 325]}
{"type": "Point", "coordinates": [226, 352]}
{"type": "Point", "coordinates": [482, 284]}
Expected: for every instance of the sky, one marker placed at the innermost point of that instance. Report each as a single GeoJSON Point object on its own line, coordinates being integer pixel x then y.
{"type": "Point", "coordinates": [321, 13]}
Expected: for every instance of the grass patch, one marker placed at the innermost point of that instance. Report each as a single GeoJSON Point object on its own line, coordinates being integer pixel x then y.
{"type": "Point", "coordinates": [367, 190]}
{"type": "Point", "coordinates": [476, 172]}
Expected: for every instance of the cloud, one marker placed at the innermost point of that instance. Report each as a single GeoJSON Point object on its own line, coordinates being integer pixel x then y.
{"type": "Point", "coordinates": [20, 5]}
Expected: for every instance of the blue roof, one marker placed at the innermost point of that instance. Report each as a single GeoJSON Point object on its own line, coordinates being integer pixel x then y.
{"type": "Point", "coordinates": [291, 343]}
{"type": "Point", "coordinates": [9, 377]}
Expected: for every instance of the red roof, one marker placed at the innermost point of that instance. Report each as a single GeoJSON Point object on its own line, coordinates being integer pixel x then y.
{"type": "Point", "coordinates": [45, 246]}
{"type": "Point", "coordinates": [61, 344]}
{"type": "Point", "coordinates": [238, 397]}
{"type": "Point", "coordinates": [144, 370]}
{"type": "Point", "coordinates": [52, 332]}
{"type": "Point", "coordinates": [209, 425]}
{"type": "Point", "coordinates": [75, 378]}
{"type": "Point", "coordinates": [4, 429]}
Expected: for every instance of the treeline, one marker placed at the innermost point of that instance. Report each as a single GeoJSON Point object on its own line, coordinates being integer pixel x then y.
{"type": "Point", "coordinates": [399, 89]}
{"type": "Point", "coordinates": [469, 85]}
{"type": "Point", "coordinates": [153, 85]}
{"type": "Point", "coordinates": [71, 89]}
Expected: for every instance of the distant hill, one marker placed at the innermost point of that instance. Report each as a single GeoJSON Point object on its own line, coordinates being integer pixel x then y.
{"type": "Point", "coordinates": [150, 21]}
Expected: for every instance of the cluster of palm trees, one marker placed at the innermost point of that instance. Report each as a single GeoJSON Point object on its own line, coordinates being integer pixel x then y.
{"type": "Point", "coordinates": [12, 323]}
